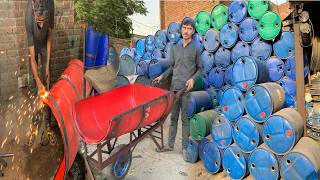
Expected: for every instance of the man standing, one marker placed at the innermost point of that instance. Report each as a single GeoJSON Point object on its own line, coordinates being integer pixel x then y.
{"type": "Point", "coordinates": [184, 70]}
{"type": "Point", "coordinates": [39, 21]}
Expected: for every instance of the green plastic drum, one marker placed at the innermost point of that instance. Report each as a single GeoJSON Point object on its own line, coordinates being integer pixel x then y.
{"type": "Point", "coordinates": [219, 16]}
{"type": "Point", "coordinates": [257, 8]}
{"type": "Point", "coordinates": [269, 25]}
{"type": "Point", "coordinates": [202, 22]}
{"type": "Point", "coordinates": [200, 124]}
{"type": "Point", "coordinates": [198, 84]}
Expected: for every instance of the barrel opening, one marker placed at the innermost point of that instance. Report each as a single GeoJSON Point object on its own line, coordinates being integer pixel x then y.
{"type": "Point", "coordinates": [224, 13]}
{"type": "Point", "coordinates": [229, 27]}
{"type": "Point", "coordinates": [280, 67]}
{"type": "Point", "coordinates": [243, 45]}
{"type": "Point", "coordinates": [219, 121]}
{"type": "Point", "coordinates": [250, 7]}
{"type": "Point", "coordinates": [288, 161]}
{"type": "Point", "coordinates": [242, 5]}
{"type": "Point", "coordinates": [253, 93]}
{"type": "Point", "coordinates": [217, 40]}
{"type": "Point", "coordinates": [237, 128]}
{"type": "Point", "coordinates": [267, 136]}
{"type": "Point", "coordinates": [264, 2]}
{"type": "Point", "coordinates": [238, 155]}
{"type": "Point", "coordinates": [228, 170]}
{"type": "Point", "coordinates": [225, 42]}
{"type": "Point", "coordinates": [253, 165]}
{"type": "Point", "coordinates": [231, 16]}
{"type": "Point", "coordinates": [261, 26]}
{"type": "Point", "coordinates": [239, 99]}
{"type": "Point", "coordinates": [290, 50]}
{"type": "Point", "coordinates": [288, 69]}
{"type": "Point", "coordinates": [216, 163]}
{"type": "Point", "coordinates": [281, 84]}
{"type": "Point", "coordinates": [277, 25]}
{"type": "Point", "coordinates": [253, 141]}
{"type": "Point", "coordinates": [241, 31]}
{"type": "Point", "coordinates": [273, 168]}
{"type": "Point", "coordinates": [205, 39]}
{"type": "Point", "coordinates": [207, 23]}
{"type": "Point", "coordinates": [242, 61]}
{"type": "Point", "coordinates": [212, 20]}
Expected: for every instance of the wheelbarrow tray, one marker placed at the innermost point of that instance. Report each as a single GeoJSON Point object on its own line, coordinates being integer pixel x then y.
{"type": "Point", "coordinates": [120, 111]}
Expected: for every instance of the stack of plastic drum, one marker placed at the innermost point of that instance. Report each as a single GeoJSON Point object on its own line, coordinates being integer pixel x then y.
{"type": "Point", "coordinates": [238, 109]}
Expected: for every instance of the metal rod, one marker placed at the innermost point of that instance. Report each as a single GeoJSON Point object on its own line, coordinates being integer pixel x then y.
{"type": "Point", "coordinates": [7, 155]}
{"type": "Point", "coordinates": [300, 76]}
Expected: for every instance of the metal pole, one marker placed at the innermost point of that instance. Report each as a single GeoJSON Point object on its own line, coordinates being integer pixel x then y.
{"type": "Point", "coordinates": [299, 76]}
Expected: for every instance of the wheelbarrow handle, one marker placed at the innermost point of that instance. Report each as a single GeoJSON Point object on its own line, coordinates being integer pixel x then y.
{"type": "Point", "coordinates": [180, 93]}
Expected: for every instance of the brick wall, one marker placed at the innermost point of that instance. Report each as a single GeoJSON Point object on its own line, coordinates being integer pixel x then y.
{"type": "Point", "coordinates": [14, 58]}
{"type": "Point", "coordinates": [176, 10]}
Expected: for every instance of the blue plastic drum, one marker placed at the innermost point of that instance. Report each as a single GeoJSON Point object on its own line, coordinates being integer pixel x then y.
{"type": "Point", "coordinates": [92, 41]}
{"type": "Point", "coordinates": [237, 11]}
{"type": "Point", "coordinates": [288, 85]}
{"type": "Point", "coordinates": [213, 95]}
{"type": "Point", "coordinates": [283, 130]}
{"type": "Point", "coordinates": [147, 56]}
{"type": "Point", "coordinates": [207, 61]}
{"type": "Point", "coordinates": [112, 57]}
{"type": "Point", "coordinates": [192, 151]}
{"type": "Point", "coordinates": [228, 75]}
{"type": "Point", "coordinates": [248, 30]}
{"type": "Point", "coordinates": [248, 71]}
{"type": "Point", "coordinates": [160, 39]}
{"type": "Point", "coordinates": [263, 164]}
{"type": "Point", "coordinates": [150, 43]}
{"type": "Point", "coordinates": [127, 66]}
{"type": "Point", "coordinates": [290, 101]}
{"type": "Point", "coordinates": [154, 69]}
{"type": "Point", "coordinates": [211, 40]}
{"type": "Point", "coordinates": [221, 132]}
{"type": "Point", "coordinates": [222, 57]}
{"type": "Point", "coordinates": [167, 50]}
{"type": "Point", "coordinates": [239, 50]}
{"type": "Point", "coordinates": [140, 47]}
{"type": "Point", "coordinates": [123, 51]}
{"type": "Point", "coordinates": [290, 68]}
{"type": "Point", "coordinates": [198, 40]}
{"type": "Point", "coordinates": [276, 68]}
{"type": "Point", "coordinates": [216, 77]}
{"type": "Point", "coordinates": [211, 157]}
{"type": "Point", "coordinates": [173, 32]}
{"type": "Point", "coordinates": [303, 162]}
{"type": "Point", "coordinates": [102, 54]}
{"type": "Point", "coordinates": [246, 134]}
{"type": "Point", "coordinates": [157, 54]}
{"type": "Point", "coordinates": [264, 99]}
{"type": "Point", "coordinates": [229, 35]}
{"type": "Point", "coordinates": [234, 162]}
{"type": "Point", "coordinates": [198, 101]}
{"type": "Point", "coordinates": [261, 49]}
{"type": "Point", "coordinates": [232, 103]}
{"type": "Point", "coordinates": [122, 81]}
{"type": "Point", "coordinates": [142, 68]}
{"type": "Point", "coordinates": [284, 48]}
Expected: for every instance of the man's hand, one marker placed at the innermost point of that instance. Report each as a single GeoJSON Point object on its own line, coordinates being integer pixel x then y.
{"type": "Point", "coordinates": [189, 84]}
{"type": "Point", "coordinates": [158, 79]}
{"type": "Point", "coordinates": [41, 88]}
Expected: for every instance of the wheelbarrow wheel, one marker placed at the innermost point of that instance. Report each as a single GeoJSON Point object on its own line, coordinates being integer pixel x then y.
{"type": "Point", "coordinates": [121, 166]}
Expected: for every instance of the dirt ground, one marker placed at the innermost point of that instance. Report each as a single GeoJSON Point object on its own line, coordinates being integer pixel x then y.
{"type": "Point", "coordinates": [41, 162]}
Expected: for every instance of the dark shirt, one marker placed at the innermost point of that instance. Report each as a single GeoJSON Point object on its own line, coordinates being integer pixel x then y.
{"type": "Point", "coordinates": [38, 36]}
{"type": "Point", "coordinates": [186, 65]}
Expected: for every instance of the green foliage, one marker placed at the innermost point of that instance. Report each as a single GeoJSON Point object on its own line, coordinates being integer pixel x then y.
{"type": "Point", "coordinates": [109, 16]}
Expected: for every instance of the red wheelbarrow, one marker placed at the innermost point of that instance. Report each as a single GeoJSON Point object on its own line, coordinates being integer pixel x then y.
{"type": "Point", "coordinates": [134, 109]}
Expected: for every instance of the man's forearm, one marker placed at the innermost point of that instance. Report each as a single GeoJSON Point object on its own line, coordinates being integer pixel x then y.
{"type": "Point", "coordinates": [34, 67]}
{"type": "Point", "coordinates": [49, 46]}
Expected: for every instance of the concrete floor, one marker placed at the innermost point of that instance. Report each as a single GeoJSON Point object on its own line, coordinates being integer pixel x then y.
{"type": "Point", "coordinates": [38, 162]}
